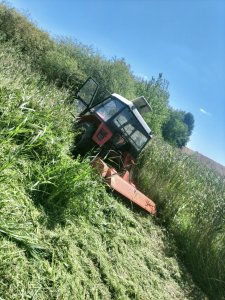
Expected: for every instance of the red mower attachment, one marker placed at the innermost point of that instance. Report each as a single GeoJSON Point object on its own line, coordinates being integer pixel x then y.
{"type": "Point", "coordinates": [123, 185]}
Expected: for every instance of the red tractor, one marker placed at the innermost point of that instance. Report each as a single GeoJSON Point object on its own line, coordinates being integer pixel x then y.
{"type": "Point", "coordinates": [113, 129]}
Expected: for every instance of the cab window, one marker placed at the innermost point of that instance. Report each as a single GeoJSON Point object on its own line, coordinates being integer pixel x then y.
{"type": "Point", "coordinates": [131, 128]}
{"type": "Point", "coordinates": [109, 108]}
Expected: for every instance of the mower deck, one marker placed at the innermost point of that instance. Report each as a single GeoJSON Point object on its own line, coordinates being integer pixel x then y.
{"type": "Point", "coordinates": [123, 185]}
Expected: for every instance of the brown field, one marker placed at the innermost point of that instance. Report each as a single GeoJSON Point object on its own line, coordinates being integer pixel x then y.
{"type": "Point", "coordinates": [208, 162]}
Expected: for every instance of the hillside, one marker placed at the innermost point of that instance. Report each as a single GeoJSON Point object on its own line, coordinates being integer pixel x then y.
{"type": "Point", "coordinates": [62, 235]}
{"type": "Point", "coordinates": [220, 169]}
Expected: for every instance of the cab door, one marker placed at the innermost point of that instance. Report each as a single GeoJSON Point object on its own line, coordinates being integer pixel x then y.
{"type": "Point", "coordinates": [86, 95]}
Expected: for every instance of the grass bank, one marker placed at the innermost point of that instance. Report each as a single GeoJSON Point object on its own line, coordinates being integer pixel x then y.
{"type": "Point", "coordinates": [191, 203]}
{"type": "Point", "coordinates": [61, 235]}
{"type": "Point", "coordinates": [60, 232]}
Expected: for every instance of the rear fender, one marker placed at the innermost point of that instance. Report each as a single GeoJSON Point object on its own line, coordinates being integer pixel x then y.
{"type": "Point", "coordinates": [88, 118]}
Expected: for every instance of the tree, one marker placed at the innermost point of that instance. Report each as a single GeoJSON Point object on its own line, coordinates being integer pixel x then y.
{"type": "Point", "coordinates": [178, 128]}
{"type": "Point", "coordinates": [156, 93]}
{"type": "Point", "coordinates": [189, 121]}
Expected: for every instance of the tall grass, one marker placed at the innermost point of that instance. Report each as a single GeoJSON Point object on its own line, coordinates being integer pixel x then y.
{"type": "Point", "coordinates": [62, 236]}
{"type": "Point", "coordinates": [191, 203]}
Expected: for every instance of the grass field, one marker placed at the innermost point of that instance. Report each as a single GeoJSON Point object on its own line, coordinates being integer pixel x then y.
{"type": "Point", "coordinates": [191, 204]}
{"type": "Point", "coordinates": [62, 236]}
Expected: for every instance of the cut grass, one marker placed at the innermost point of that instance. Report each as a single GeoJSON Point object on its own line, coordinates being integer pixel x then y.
{"type": "Point", "coordinates": [61, 235]}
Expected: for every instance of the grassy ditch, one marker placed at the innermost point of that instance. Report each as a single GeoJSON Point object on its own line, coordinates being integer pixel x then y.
{"type": "Point", "coordinates": [191, 203]}
{"type": "Point", "coordinates": [61, 235]}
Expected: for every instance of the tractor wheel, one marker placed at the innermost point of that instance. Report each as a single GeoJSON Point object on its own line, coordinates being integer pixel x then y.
{"type": "Point", "coordinates": [83, 142]}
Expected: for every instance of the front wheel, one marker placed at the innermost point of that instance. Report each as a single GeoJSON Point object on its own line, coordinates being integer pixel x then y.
{"type": "Point", "coordinates": [83, 142]}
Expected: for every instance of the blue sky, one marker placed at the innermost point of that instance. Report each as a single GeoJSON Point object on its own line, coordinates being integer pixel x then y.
{"type": "Point", "coordinates": [183, 39]}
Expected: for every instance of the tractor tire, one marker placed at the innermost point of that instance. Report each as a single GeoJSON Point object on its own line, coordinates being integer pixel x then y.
{"type": "Point", "coordinates": [83, 142]}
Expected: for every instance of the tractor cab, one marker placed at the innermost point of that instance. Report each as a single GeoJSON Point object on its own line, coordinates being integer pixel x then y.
{"type": "Point", "coordinates": [115, 127]}
{"type": "Point", "coordinates": [118, 122]}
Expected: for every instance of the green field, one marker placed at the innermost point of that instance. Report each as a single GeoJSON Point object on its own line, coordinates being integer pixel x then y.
{"type": "Point", "coordinates": [62, 236]}
{"type": "Point", "coordinates": [191, 204]}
